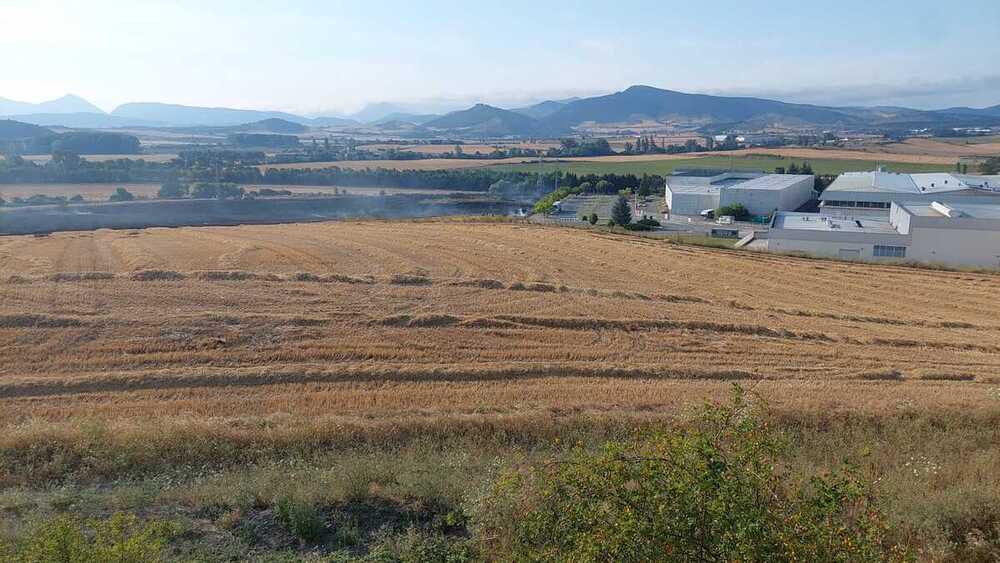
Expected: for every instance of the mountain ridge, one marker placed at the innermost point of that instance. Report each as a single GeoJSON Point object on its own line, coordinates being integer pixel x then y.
{"type": "Point", "coordinates": [486, 120]}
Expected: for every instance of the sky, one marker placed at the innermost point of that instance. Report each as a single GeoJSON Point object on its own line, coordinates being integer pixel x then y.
{"type": "Point", "coordinates": [333, 57]}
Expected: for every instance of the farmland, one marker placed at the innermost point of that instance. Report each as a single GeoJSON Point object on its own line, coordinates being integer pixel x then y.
{"type": "Point", "coordinates": [203, 367]}
{"type": "Point", "coordinates": [656, 164]}
{"type": "Point", "coordinates": [666, 164]}
{"type": "Point", "coordinates": [101, 191]}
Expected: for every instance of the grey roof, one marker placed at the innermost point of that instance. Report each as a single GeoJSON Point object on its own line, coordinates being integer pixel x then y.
{"type": "Point", "coordinates": [965, 210]}
{"type": "Point", "coordinates": [816, 222]}
{"type": "Point", "coordinates": [773, 182]}
{"type": "Point", "coordinates": [895, 182]}
{"type": "Point", "coordinates": [733, 180]}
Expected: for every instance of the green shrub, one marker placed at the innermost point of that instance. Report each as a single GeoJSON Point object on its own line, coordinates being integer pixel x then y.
{"type": "Point", "coordinates": [300, 518]}
{"type": "Point", "coordinates": [416, 546]}
{"type": "Point", "coordinates": [546, 203]}
{"type": "Point", "coordinates": [123, 538]}
{"type": "Point", "coordinates": [711, 492]}
{"type": "Point", "coordinates": [736, 210]}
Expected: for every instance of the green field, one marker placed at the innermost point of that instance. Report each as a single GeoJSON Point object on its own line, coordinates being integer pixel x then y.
{"type": "Point", "coordinates": [752, 162]}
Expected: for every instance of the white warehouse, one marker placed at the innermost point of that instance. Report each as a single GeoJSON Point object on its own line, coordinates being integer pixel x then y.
{"type": "Point", "coordinates": [952, 234]}
{"type": "Point", "coordinates": [762, 194]}
{"type": "Point", "coordinates": [869, 194]}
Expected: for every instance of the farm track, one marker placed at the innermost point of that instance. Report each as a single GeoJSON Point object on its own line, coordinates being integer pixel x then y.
{"type": "Point", "coordinates": [453, 318]}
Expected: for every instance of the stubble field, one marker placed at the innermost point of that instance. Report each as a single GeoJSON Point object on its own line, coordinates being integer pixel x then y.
{"type": "Point", "coordinates": [134, 353]}
{"type": "Point", "coordinates": [483, 309]}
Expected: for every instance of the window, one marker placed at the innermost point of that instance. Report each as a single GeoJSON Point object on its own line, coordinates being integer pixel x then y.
{"type": "Point", "coordinates": [889, 251]}
{"type": "Point", "coordinates": [861, 204]}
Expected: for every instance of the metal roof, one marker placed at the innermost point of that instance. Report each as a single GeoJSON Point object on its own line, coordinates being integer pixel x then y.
{"type": "Point", "coordinates": [772, 182]}
{"type": "Point", "coordinates": [816, 222]}
{"type": "Point", "coordinates": [732, 180]}
{"type": "Point", "coordinates": [895, 182]}
{"type": "Point", "coordinates": [965, 210]}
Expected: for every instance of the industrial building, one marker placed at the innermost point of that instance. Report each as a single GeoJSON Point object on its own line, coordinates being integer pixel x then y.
{"type": "Point", "coordinates": [691, 192]}
{"type": "Point", "coordinates": [966, 234]}
{"type": "Point", "coordinates": [869, 194]}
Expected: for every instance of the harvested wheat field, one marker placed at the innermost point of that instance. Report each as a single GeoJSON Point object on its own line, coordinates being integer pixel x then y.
{"type": "Point", "coordinates": [380, 374]}
{"type": "Point", "coordinates": [404, 318]}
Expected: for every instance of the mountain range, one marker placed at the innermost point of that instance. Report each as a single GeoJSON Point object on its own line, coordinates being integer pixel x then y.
{"type": "Point", "coordinates": [555, 117]}
{"type": "Point", "coordinates": [66, 104]}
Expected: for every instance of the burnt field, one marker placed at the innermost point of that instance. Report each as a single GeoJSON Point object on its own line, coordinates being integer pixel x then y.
{"type": "Point", "coordinates": [176, 213]}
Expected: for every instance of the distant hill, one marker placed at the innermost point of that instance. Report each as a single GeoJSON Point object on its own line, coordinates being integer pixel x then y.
{"type": "Point", "coordinates": [66, 104]}
{"type": "Point", "coordinates": [543, 109]}
{"type": "Point", "coordinates": [974, 112]}
{"type": "Point", "coordinates": [273, 125]}
{"type": "Point", "coordinates": [332, 122]}
{"type": "Point", "coordinates": [645, 102]}
{"type": "Point", "coordinates": [15, 130]}
{"type": "Point", "coordinates": [377, 111]}
{"type": "Point", "coordinates": [86, 120]}
{"type": "Point", "coordinates": [414, 118]}
{"type": "Point", "coordinates": [488, 121]}
{"type": "Point", "coordinates": [193, 115]}
{"type": "Point", "coordinates": [397, 127]}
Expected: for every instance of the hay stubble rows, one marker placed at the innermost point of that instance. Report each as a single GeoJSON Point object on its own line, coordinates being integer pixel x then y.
{"type": "Point", "coordinates": [409, 320]}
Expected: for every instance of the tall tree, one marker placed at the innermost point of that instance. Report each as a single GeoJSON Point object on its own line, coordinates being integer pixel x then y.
{"type": "Point", "coordinates": [621, 213]}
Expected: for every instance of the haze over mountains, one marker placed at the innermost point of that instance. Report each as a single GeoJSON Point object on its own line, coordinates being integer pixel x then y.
{"type": "Point", "coordinates": [554, 117]}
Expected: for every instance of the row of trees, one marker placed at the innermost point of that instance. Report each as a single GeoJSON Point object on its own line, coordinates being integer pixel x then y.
{"type": "Point", "coordinates": [68, 167]}
{"type": "Point", "coordinates": [85, 142]}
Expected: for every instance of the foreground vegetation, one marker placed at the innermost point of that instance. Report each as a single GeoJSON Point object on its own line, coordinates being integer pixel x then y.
{"type": "Point", "coordinates": [756, 485]}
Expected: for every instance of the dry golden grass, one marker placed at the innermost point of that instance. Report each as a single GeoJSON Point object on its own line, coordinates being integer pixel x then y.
{"type": "Point", "coordinates": [410, 320]}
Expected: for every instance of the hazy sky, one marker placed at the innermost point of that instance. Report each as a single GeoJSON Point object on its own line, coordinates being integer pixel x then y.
{"type": "Point", "coordinates": [327, 56]}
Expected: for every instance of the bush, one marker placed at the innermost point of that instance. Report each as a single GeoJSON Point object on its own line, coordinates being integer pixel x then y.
{"type": "Point", "coordinates": [736, 210]}
{"type": "Point", "coordinates": [64, 539]}
{"type": "Point", "coordinates": [300, 518]}
{"type": "Point", "coordinates": [416, 546]}
{"type": "Point", "coordinates": [711, 492]}
{"type": "Point", "coordinates": [644, 224]}
{"type": "Point", "coordinates": [121, 194]}
{"type": "Point", "coordinates": [547, 203]}
{"type": "Point", "coordinates": [172, 190]}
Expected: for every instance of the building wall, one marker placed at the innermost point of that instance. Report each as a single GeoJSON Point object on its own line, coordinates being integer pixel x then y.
{"type": "Point", "coordinates": [956, 247]}
{"type": "Point", "coordinates": [822, 247]}
{"type": "Point", "coordinates": [764, 202]}
{"type": "Point", "coordinates": [835, 244]}
{"type": "Point", "coordinates": [688, 203]}
{"type": "Point", "coordinates": [965, 196]}
{"type": "Point", "coordinates": [971, 242]}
